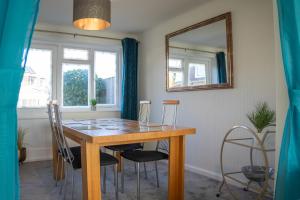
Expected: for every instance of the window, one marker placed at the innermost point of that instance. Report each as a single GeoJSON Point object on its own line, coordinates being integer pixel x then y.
{"type": "Point", "coordinates": [176, 77]}
{"type": "Point", "coordinates": [175, 63]}
{"type": "Point", "coordinates": [84, 78]}
{"type": "Point", "coordinates": [76, 54]}
{"type": "Point", "coordinates": [197, 74]}
{"type": "Point", "coordinates": [105, 77]}
{"type": "Point", "coordinates": [72, 75]}
{"type": "Point", "coordinates": [37, 83]}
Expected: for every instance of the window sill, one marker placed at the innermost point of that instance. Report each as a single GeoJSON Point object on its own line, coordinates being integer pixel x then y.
{"type": "Point", "coordinates": [88, 109]}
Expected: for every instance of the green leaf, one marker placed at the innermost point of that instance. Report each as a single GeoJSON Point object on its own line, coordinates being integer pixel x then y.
{"type": "Point", "coordinates": [262, 117]}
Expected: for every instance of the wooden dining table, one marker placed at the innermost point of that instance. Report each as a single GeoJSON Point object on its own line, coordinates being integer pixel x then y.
{"type": "Point", "coordinates": [95, 133]}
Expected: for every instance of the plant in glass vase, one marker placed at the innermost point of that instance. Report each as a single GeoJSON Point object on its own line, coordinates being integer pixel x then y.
{"type": "Point", "coordinates": [93, 104]}
{"type": "Point", "coordinates": [261, 118]}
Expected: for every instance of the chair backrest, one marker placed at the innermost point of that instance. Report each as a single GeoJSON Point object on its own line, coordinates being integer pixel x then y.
{"type": "Point", "coordinates": [144, 111]}
{"type": "Point", "coordinates": [51, 116]}
{"type": "Point", "coordinates": [169, 115]}
{"type": "Point", "coordinates": [63, 145]}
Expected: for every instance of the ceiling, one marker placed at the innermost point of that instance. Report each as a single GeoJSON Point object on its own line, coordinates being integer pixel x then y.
{"type": "Point", "coordinates": [129, 16]}
{"type": "Point", "coordinates": [212, 35]}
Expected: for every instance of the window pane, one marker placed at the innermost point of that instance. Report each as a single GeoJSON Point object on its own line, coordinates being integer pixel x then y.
{"type": "Point", "coordinates": [175, 79]}
{"type": "Point", "coordinates": [105, 77]}
{"type": "Point", "coordinates": [75, 84]}
{"type": "Point", "coordinates": [175, 63]}
{"type": "Point", "coordinates": [36, 85]}
{"type": "Point", "coordinates": [197, 74]}
{"type": "Point", "coordinates": [76, 54]}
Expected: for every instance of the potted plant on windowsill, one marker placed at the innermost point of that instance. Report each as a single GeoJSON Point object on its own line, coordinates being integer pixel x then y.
{"type": "Point", "coordinates": [20, 143]}
{"type": "Point", "coordinates": [93, 104]}
{"type": "Point", "coordinates": [261, 118]}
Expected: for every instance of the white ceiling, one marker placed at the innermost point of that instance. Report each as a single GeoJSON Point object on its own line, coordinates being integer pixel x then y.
{"type": "Point", "coordinates": [129, 16]}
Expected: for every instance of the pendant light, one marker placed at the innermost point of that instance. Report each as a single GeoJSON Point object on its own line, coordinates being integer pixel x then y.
{"type": "Point", "coordinates": [92, 14]}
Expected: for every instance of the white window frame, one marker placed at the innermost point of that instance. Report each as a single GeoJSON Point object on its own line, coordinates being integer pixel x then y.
{"type": "Point", "coordinates": [91, 92]}
{"type": "Point", "coordinates": [60, 75]}
{"type": "Point", "coordinates": [57, 60]}
{"type": "Point", "coordinates": [192, 58]}
{"type": "Point", "coordinates": [182, 69]}
{"type": "Point", "coordinates": [53, 70]}
{"type": "Point", "coordinates": [202, 61]}
{"type": "Point", "coordinates": [118, 82]}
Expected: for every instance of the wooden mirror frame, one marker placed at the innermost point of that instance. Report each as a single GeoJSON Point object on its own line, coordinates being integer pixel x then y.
{"type": "Point", "coordinates": [227, 18]}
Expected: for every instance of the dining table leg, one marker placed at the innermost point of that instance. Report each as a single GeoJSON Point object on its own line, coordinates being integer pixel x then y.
{"type": "Point", "coordinates": [90, 161]}
{"type": "Point", "coordinates": [57, 164]}
{"type": "Point", "coordinates": [176, 168]}
{"type": "Point", "coordinates": [119, 157]}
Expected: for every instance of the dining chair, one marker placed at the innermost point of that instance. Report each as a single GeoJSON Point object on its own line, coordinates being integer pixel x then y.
{"type": "Point", "coordinates": [71, 156]}
{"type": "Point", "coordinates": [144, 112]}
{"type": "Point", "coordinates": [161, 151]}
{"type": "Point", "coordinates": [144, 117]}
{"type": "Point", "coordinates": [50, 116]}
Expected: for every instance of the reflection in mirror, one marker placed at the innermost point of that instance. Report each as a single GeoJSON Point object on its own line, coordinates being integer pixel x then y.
{"type": "Point", "coordinates": [198, 57]}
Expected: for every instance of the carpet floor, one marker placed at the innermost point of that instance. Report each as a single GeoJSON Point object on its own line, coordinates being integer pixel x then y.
{"type": "Point", "coordinates": [37, 184]}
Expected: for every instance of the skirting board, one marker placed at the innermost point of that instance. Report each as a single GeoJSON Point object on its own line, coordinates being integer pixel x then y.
{"type": "Point", "coordinates": [207, 173]}
{"type": "Point", "coordinates": [203, 172]}
{"type": "Point", "coordinates": [210, 174]}
{"type": "Point", "coordinates": [38, 154]}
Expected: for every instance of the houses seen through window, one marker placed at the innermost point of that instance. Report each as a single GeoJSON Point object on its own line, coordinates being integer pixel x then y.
{"type": "Point", "coordinates": [36, 85]}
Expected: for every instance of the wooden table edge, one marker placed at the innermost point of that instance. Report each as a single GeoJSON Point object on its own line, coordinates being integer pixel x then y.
{"type": "Point", "coordinates": [128, 138]}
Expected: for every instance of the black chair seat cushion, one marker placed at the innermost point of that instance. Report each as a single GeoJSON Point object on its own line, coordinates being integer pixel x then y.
{"type": "Point", "coordinates": [125, 147]}
{"type": "Point", "coordinates": [105, 159]}
{"type": "Point", "coordinates": [144, 156]}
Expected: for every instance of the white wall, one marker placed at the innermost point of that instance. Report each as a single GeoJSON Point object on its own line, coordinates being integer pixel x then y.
{"type": "Point", "coordinates": [214, 112]}
{"type": "Point", "coordinates": [38, 137]}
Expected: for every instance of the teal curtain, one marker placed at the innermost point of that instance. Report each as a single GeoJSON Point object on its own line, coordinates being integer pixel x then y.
{"type": "Point", "coordinates": [288, 177]}
{"type": "Point", "coordinates": [17, 20]}
{"type": "Point", "coordinates": [129, 79]}
{"type": "Point", "coordinates": [221, 65]}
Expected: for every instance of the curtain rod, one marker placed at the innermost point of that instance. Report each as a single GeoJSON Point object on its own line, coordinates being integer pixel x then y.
{"type": "Point", "coordinates": [188, 49]}
{"type": "Point", "coordinates": [76, 34]}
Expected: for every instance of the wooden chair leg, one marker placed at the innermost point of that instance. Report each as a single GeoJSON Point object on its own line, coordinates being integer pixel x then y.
{"type": "Point", "coordinates": [56, 171]}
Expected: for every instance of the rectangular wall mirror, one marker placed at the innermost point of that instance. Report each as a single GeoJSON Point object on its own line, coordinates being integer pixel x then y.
{"type": "Point", "coordinates": [199, 57]}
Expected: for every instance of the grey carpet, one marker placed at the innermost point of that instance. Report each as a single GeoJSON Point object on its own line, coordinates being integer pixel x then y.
{"type": "Point", "coordinates": [37, 184]}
